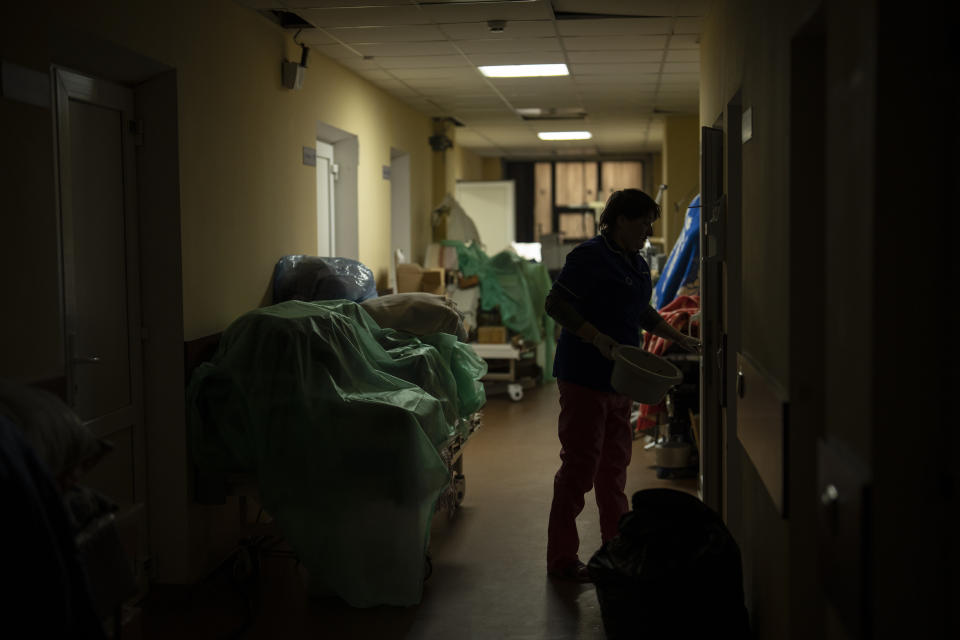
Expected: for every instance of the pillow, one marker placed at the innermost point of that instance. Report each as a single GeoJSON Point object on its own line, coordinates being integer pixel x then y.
{"type": "Point", "coordinates": [418, 313]}
{"type": "Point", "coordinates": [54, 431]}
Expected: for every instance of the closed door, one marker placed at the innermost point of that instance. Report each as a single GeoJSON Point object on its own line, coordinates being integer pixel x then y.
{"type": "Point", "coordinates": [101, 283]}
{"type": "Point", "coordinates": [400, 225]}
{"type": "Point", "coordinates": [712, 365]}
{"type": "Point", "coordinates": [326, 217]}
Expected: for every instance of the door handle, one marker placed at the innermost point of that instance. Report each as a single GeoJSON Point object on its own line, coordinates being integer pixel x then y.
{"type": "Point", "coordinates": [85, 360]}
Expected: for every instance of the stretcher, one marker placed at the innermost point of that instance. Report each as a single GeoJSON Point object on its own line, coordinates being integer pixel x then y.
{"type": "Point", "coordinates": [503, 360]}
{"type": "Point", "coordinates": [352, 438]}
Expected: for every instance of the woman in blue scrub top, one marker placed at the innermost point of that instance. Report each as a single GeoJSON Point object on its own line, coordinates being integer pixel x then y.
{"type": "Point", "coordinates": [602, 300]}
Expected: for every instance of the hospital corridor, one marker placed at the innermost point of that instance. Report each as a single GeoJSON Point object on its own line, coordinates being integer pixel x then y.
{"type": "Point", "coordinates": [480, 319]}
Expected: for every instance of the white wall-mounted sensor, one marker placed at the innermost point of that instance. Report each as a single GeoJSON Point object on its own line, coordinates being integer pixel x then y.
{"type": "Point", "coordinates": [292, 75]}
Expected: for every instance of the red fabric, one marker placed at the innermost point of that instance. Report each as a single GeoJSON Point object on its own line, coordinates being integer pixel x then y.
{"type": "Point", "coordinates": [596, 445]}
{"type": "Point", "coordinates": [677, 315]}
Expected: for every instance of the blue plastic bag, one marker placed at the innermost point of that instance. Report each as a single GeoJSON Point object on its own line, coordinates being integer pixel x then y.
{"type": "Point", "coordinates": [312, 278]}
{"type": "Point", "coordinates": [683, 263]}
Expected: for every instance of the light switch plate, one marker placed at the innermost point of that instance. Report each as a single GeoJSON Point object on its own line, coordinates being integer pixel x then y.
{"type": "Point", "coordinates": [746, 125]}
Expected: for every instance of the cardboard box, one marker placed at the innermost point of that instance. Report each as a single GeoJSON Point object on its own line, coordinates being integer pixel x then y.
{"type": "Point", "coordinates": [432, 281]}
{"type": "Point", "coordinates": [409, 277]}
{"type": "Point", "coordinates": [469, 281]}
{"type": "Point", "coordinates": [491, 335]}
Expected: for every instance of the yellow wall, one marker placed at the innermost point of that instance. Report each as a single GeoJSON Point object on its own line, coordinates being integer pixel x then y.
{"type": "Point", "coordinates": [492, 169]}
{"type": "Point", "coordinates": [246, 198]}
{"type": "Point", "coordinates": [681, 172]}
{"type": "Point", "coordinates": [463, 164]}
{"type": "Point", "coordinates": [655, 166]}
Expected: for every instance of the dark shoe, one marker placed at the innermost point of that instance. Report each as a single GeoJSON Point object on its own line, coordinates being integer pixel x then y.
{"type": "Point", "coordinates": [575, 572]}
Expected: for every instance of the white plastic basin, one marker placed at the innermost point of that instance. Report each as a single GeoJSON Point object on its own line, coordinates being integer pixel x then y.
{"type": "Point", "coordinates": [642, 376]}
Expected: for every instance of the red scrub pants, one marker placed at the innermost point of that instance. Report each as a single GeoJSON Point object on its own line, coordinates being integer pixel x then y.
{"type": "Point", "coordinates": [596, 444]}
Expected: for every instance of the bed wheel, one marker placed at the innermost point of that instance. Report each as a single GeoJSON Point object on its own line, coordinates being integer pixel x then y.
{"type": "Point", "coordinates": [244, 564]}
{"type": "Point", "coordinates": [515, 391]}
{"type": "Point", "coordinates": [427, 567]}
{"type": "Point", "coordinates": [459, 488]}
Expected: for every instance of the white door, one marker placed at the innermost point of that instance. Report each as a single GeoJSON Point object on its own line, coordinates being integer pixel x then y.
{"type": "Point", "coordinates": [97, 192]}
{"type": "Point", "coordinates": [326, 218]}
{"type": "Point", "coordinates": [399, 211]}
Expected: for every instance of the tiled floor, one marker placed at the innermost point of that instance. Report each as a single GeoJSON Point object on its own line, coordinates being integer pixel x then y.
{"type": "Point", "coordinates": [489, 579]}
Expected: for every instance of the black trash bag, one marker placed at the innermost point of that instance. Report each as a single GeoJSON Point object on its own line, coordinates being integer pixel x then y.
{"type": "Point", "coordinates": [674, 569]}
{"type": "Point", "coordinates": [312, 278]}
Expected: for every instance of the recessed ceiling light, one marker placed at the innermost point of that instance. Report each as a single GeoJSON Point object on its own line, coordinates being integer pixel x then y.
{"type": "Point", "coordinates": [564, 135]}
{"type": "Point", "coordinates": [524, 70]}
{"type": "Point", "coordinates": [551, 113]}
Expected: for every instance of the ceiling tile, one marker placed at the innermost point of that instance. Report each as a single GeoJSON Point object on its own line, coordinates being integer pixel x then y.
{"type": "Point", "coordinates": [463, 81]}
{"type": "Point", "coordinates": [447, 72]}
{"type": "Point", "coordinates": [422, 104]}
{"type": "Point", "coordinates": [614, 27]}
{"type": "Point", "coordinates": [509, 46]}
{"type": "Point", "coordinates": [681, 67]}
{"type": "Point", "coordinates": [622, 70]}
{"type": "Point", "coordinates": [610, 93]}
{"type": "Point", "coordinates": [564, 101]}
{"type": "Point", "coordinates": [685, 42]}
{"type": "Point", "coordinates": [533, 85]}
{"type": "Point", "coordinates": [484, 113]}
{"type": "Point", "coordinates": [635, 43]}
{"type": "Point", "coordinates": [314, 37]}
{"type": "Point", "coordinates": [514, 29]}
{"type": "Point", "coordinates": [634, 79]}
{"type": "Point", "coordinates": [467, 136]}
{"type": "Point", "coordinates": [464, 111]}
{"type": "Point", "coordinates": [406, 49]}
{"type": "Point", "coordinates": [335, 51]}
{"type": "Point", "coordinates": [455, 92]}
{"type": "Point", "coordinates": [518, 57]}
{"type": "Point", "coordinates": [531, 102]}
{"type": "Point", "coordinates": [683, 55]}
{"type": "Point", "coordinates": [347, 4]}
{"type": "Point", "coordinates": [667, 92]}
{"type": "Point", "coordinates": [472, 106]}
{"type": "Point", "coordinates": [482, 11]}
{"type": "Point", "coordinates": [366, 16]}
{"type": "Point", "coordinates": [426, 55]}
{"type": "Point", "coordinates": [406, 33]}
{"type": "Point", "coordinates": [357, 63]}
{"type": "Point", "coordinates": [422, 62]}
{"type": "Point", "coordinates": [692, 79]}
{"type": "Point", "coordinates": [261, 4]}
{"type": "Point", "coordinates": [634, 7]}
{"type": "Point", "coordinates": [688, 25]}
{"type": "Point", "coordinates": [652, 55]}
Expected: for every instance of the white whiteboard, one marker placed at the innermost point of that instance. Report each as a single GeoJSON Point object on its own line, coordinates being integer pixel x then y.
{"type": "Point", "coordinates": [491, 206]}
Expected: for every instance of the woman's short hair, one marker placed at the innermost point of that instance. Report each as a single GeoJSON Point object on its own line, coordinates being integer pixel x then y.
{"type": "Point", "coordinates": [629, 203]}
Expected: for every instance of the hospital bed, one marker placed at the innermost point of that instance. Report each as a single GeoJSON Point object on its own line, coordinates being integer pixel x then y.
{"type": "Point", "coordinates": [214, 486]}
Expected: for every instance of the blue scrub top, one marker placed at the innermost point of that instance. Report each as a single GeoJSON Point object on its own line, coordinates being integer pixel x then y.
{"type": "Point", "coordinates": [611, 290]}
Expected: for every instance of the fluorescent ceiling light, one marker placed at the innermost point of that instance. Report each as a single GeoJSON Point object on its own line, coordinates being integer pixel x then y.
{"type": "Point", "coordinates": [524, 70]}
{"type": "Point", "coordinates": [564, 135]}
